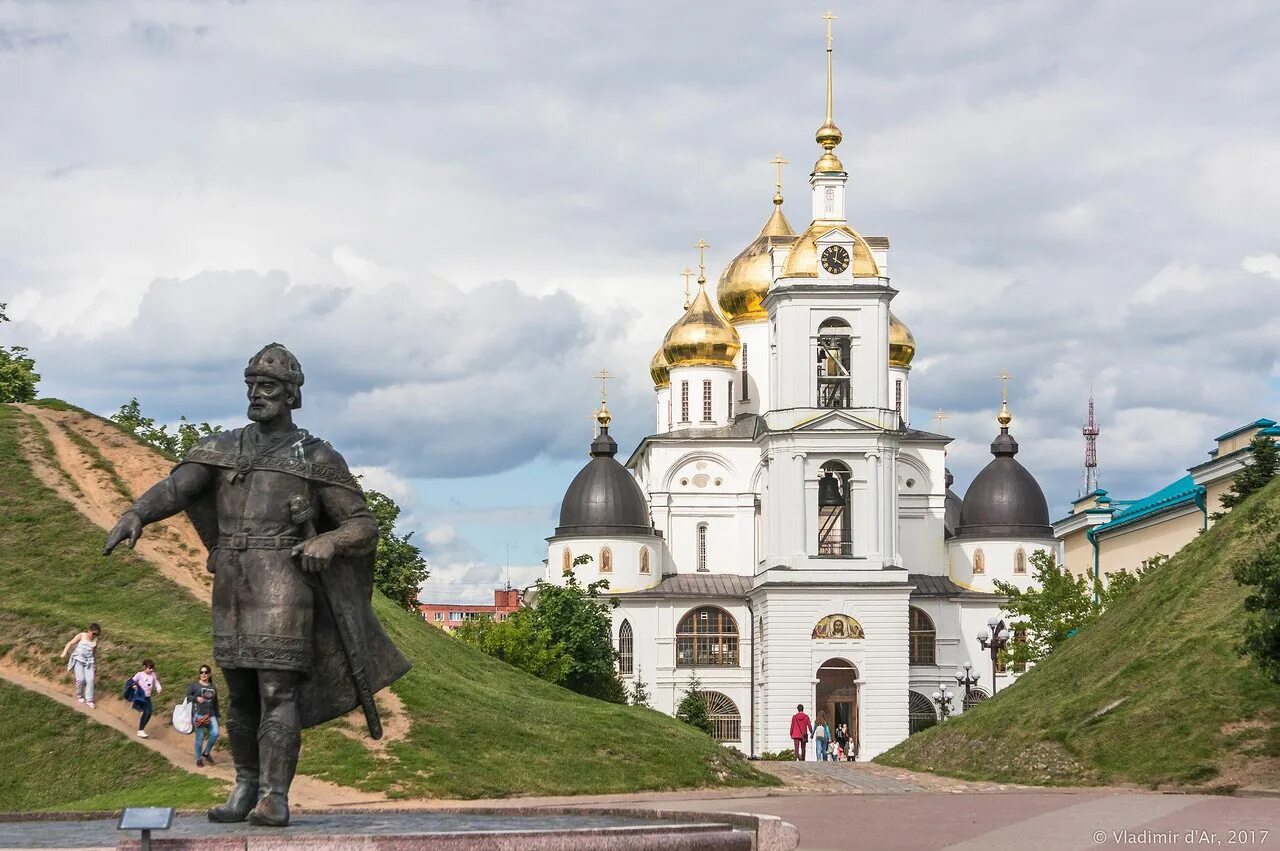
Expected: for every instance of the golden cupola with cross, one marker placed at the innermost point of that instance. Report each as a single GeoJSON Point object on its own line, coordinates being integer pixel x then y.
{"type": "Point", "coordinates": [702, 337]}
{"type": "Point", "coordinates": [829, 247]}
{"type": "Point", "coordinates": [746, 280]}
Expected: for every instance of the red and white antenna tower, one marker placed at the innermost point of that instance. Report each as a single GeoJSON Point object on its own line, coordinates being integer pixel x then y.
{"type": "Point", "coordinates": [1090, 432]}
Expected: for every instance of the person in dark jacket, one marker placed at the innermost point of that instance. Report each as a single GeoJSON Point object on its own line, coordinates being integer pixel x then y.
{"type": "Point", "coordinates": [203, 695]}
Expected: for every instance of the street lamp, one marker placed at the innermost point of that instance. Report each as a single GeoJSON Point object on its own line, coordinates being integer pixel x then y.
{"type": "Point", "coordinates": [968, 679]}
{"type": "Point", "coordinates": [942, 697]}
{"type": "Point", "coordinates": [995, 642]}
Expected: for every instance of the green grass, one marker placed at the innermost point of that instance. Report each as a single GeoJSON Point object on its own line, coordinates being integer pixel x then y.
{"type": "Point", "coordinates": [54, 758]}
{"type": "Point", "coordinates": [481, 728]}
{"type": "Point", "coordinates": [1167, 652]}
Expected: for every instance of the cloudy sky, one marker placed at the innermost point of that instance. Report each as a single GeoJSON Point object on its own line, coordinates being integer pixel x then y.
{"type": "Point", "coordinates": [455, 213]}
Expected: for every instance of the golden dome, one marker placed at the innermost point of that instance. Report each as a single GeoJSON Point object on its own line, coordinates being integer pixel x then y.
{"type": "Point", "coordinates": [701, 337]}
{"type": "Point", "coordinates": [746, 280]}
{"type": "Point", "coordinates": [902, 346]}
{"type": "Point", "coordinates": [660, 370]}
{"type": "Point", "coordinates": [802, 262]}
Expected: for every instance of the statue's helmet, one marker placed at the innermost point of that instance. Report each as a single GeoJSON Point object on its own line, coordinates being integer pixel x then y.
{"type": "Point", "coordinates": [275, 361]}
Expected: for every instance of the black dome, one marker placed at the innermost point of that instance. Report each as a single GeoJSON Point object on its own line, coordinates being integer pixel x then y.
{"type": "Point", "coordinates": [604, 499]}
{"type": "Point", "coordinates": [951, 514]}
{"type": "Point", "coordinates": [1005, 500]}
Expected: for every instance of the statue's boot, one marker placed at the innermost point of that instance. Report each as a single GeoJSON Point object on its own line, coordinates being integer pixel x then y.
{"type": "Point", "coordinates": [278, 746]}
{"type": "Point", "coordinates": [243, 739]}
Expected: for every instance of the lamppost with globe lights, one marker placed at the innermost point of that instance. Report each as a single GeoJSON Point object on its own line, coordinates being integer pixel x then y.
{"type": "Point", "coordinates": [942, 697]}
{"type": "Point", "coordinates": [995, 642]}
{"type": "Point", "coordinates": [968, 679]}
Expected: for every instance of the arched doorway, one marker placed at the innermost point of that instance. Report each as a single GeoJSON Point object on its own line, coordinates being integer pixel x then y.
{"type": "Point", "coordinates": [838, 697]}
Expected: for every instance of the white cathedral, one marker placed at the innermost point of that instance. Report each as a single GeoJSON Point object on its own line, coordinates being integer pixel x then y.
{"type": "Point", "coordinates": [784, 534]}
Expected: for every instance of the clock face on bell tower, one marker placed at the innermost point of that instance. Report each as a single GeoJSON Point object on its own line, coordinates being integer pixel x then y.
{"type": "Point", "coordinates": [835, 259]}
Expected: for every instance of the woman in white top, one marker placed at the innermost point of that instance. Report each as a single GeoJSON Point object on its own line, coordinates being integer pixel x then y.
{"type": "Point", "coordinates": [83, 662]}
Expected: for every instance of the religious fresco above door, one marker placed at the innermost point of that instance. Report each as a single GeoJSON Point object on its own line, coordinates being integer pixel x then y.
{"type": "Point", "coordinates": [838, 626]}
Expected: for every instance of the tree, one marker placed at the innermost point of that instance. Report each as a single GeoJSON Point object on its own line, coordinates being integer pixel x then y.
{"type": "Point", "coordinates": [1254, 476]}
{"type": "Point", "coordinates": [570, 631]}
{"type": "Point", "coordinates": [639, 691]}
{"type": "Point", "coordinates": [1261, 630]}
{"type": "Point", "coordinates": [18, 376]}
{"type": "Point", "coordinates": [1048, 614]}
{"type": "Point", "coordinates": [399, 568]}
{"type": "Point", "coordinates": [176, 444]}
{"type": "Point", "coordinates": [693, 707]}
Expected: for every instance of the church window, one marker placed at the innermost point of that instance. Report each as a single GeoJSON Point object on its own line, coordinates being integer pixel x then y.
{"type": "Point", "coordinates": [726, 720]}
{"type": "Point", "coordinates": [974, 697]}
{"type": "Point", "coordinates": [707, 637]}
{"type": "Point", "coordinates": [746, 395]}
{"type": "Point", "coordinates": [1020, 560]}
{"type": "Point", "coordinates": [566, 561]}
{"type": "Point", "coordinates": [668, 410]}
{"type": "Point", "coordinates": [702, 546]}
{"type": "Point", "coordinates": [730, 399]}
{"type": "Point", "coordinates": [835, 528]}
{"type": "Point", "coordinates": [897, 396]}
{"type": "Point", "coordinates": [684, 401]}
{"type": "Point", "coordinates": [706, 401]}
{"type": "Point", "coordinates": [979, 562]}
{"type": "Point", "coordinates": [920, 712]}
{"type": "Point", "coordinates": [606, 560]}
{"type": "Point", "coordinates": [834, 364]}
{"type": "Point", "coordinates": [626, 649]}
{"type": "Point", "coordinates": [644, 560]}
{"type": "Point", "coordinates": [923, 637]}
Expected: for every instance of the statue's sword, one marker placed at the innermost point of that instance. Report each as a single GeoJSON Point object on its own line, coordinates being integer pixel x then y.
{"type": "Point", "coordinates": [300, 513]}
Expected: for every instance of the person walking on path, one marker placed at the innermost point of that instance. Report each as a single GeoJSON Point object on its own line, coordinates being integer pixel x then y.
{"type": "Point", "coordinates": [821, 736]}
{"type": "Point", "coordinates": [83, 662]}
{"type": "Point", "coordinates": [147, 682]}
{"type": "Point", "coordinates": [203, 695]}
{"type": "Point", "coordinates": [842, 740]}
{"type": "Point", "coordinates": [801, 727]}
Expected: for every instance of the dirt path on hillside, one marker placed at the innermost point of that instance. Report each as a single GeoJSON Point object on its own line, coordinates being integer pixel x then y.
{"type": "Point", "coordinates": [172, 545]}
{"type": "Point", "coordinates": [175, 747]}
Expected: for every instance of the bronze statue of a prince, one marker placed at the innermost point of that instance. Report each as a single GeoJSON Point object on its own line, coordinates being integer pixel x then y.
{"type": "Point", "coordinates": [291, 546]}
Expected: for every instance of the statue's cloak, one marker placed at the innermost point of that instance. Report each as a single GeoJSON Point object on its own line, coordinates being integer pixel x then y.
{"type": "Point", "coordinates": [328, 691]}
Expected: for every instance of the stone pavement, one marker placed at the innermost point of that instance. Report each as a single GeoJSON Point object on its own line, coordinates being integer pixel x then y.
{"type": "Point", "coordinates": [868, 778]}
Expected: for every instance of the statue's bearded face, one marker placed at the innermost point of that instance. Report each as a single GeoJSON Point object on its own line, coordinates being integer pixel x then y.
{"type": "Point", "coordinates": [268, 398]}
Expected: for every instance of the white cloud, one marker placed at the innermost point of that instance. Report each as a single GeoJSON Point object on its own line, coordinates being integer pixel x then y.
{"type": "Point", "coordinates": [1262, 264]}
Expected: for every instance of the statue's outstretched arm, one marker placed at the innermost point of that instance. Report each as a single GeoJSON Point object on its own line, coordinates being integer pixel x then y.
{"type": "Point", "coordinates": [163, 499]}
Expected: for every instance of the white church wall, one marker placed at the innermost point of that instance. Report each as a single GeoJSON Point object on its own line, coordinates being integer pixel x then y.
{"type": "Point", "coordinates": [921, 509]}
{"type": "Point", "coordinates": [626, 558]}
{"type": "Point", "coordinates": [755, 348]}
{"type": "Point", "coordinates": [664, 417]}
{"type": "Point", "coordinates": [999, 560]}
{"type": "Point", "coordinates": [695, 414]}
{"type": "Point", "coordinates": [900, 392]}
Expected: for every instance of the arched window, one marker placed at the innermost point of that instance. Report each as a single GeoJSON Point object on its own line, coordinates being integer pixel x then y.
{"type": "Point", "coordinates": [706, 400]}
{"type": "Point", "coordinates": [834, 364]}
{"type": "Point", "coordinates": [746, 393]}
{"type": "Point", "coordinates": [726, 720]}
{"type": "Point", "coordinates": [730, 398]}
{"type": "Point", "coordinates": [566, 561]}
{"type": "Point", "coordinates": [835, 526]}
{"type": "Point", "coordinates": [923, 636]}
{"type": "Point", "coordinates": [684, 401]}
{"type": "Point", "coordinates": [979, 562]}
{"type": "Point", "coordinates": [974, 697]}
{"type": "Point", "coordinates": [707, 637]}
{"type": "Point", "coordinates": [606, 560]}
{"type": "Point", "coordinates": [921, 714]}
{"type": "Point", "coordinates": [644, 560]}
{"type": "Point", "coordinates": [1020, 560]}
{"type": "Point", "coordinates": [702, 546]}
{"type": "Point", "coordinates": [626, 649]}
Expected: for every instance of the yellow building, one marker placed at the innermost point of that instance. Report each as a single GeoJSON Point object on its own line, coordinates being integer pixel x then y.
{"type": "Point", "coordinates": [1105, 535]}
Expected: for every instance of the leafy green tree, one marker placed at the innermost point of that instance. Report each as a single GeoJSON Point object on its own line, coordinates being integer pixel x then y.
{"type": "Point", "coordinates": [399, 568]}
{"type": "Point", "coordinates": [571, 629]}
{"type": "Point", "coordinates": [1049, 613]}
{"type": "Point", "coordinates": [18, 376]}
{"type": "Point", "coordinates": [639, 690]}
{"type": "Point", "coordinates": [1260, 470]}
{"type": "Point", "coordinates": [174, 444]}
{"type": "Point", "coordinates": [1261, 630]}
{"type": "Point", "coordinates": [692, 709]}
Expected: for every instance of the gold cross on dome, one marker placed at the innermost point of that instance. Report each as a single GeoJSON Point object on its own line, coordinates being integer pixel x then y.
{"type": "Point", "coordinates": [940, 416]}
{"type": "Point", "coordinates": [779, 162]}
{"type": "Point", "coordinates": [688, 297]}
{"type": "Point", "coordinates": [829, 17]}
{"type": "Point", "coordinates": [604, 376]}
{"type": "Point", "coordinates": [702, 247]}
{"type": "Point", "coordinates": [1004, 378]}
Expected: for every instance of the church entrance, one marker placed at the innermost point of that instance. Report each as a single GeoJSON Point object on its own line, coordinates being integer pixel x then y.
{"type": "Point", "coordinates": [838, 697]}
